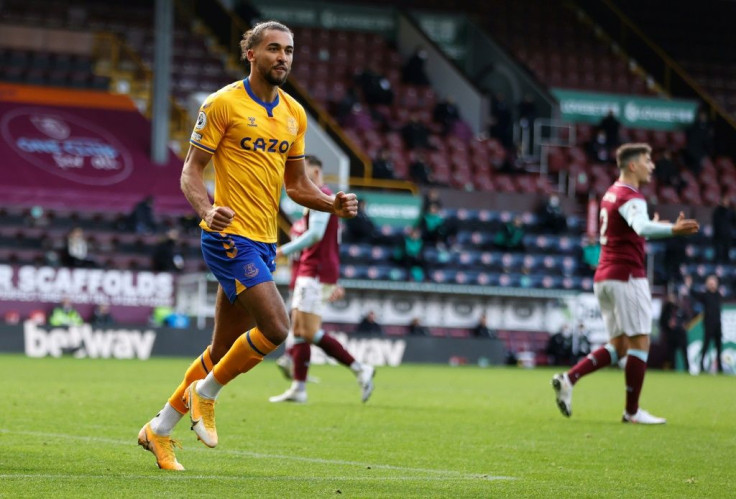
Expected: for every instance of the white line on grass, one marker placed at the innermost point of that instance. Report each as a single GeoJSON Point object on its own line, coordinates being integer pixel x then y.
{"type": "Point", "coordinates": [187, 476]}
{"type": "Point", "coordinates": [444, 474]}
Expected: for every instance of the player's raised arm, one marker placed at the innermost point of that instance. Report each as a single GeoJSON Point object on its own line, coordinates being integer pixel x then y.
{"type": "Point", "coordinates": [635, 214]}
{"type": "Point", "coordinates": [303, 191]}
{"type": "Point", "coordinates": [192, 185]}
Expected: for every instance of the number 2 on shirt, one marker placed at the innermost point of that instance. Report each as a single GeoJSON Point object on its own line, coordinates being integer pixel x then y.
{"type": "Point", "coordinates": [604, 225]}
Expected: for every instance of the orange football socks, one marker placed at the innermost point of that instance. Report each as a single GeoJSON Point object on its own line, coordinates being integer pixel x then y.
{"type": "Point", "coordinates": [201, 366]}
{"type": "Point", "coordinates": [246, 353]}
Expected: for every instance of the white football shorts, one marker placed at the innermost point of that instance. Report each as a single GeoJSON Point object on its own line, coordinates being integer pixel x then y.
{"type": "Point", "coordinates": [310, 295]}
{"type": "Point", "coordinates": [626, 306]}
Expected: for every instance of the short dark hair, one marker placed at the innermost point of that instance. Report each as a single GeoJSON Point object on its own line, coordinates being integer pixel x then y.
{"type": "Point", "coordinates": [628, 152]}
{"type": "Point", "coordinates": [253, 36]}
{"type": "Point", "coordinates": [313, 160]}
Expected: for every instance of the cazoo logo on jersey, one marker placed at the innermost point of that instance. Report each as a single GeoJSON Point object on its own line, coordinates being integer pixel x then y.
{"type": "Point", "coordinates": [261, 144]}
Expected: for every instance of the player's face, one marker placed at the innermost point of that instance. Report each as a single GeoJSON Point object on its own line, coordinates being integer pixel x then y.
{"type": "Point", "coordinates": [644, 168]}
{"type": "Point", "coordinates": [273, 56]}
{"type": "Point", "coordinates": [315, 174]}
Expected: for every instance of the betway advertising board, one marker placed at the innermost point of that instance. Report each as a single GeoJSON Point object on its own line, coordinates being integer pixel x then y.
{"type": "Point", "coordinates": [120, 342]}
{"type": "Point", "coordinates": [633, 112]}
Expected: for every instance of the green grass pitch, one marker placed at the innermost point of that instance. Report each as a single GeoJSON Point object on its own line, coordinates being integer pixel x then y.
{"type": "Point", "coordinates": [68, 428]}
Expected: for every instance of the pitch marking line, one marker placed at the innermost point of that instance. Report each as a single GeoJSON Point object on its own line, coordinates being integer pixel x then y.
{"type": "Point", "coordinates": [443, 474]}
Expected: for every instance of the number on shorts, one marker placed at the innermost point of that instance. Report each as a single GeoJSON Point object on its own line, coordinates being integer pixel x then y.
{"type": "Point", "coordinates": [604, 225]}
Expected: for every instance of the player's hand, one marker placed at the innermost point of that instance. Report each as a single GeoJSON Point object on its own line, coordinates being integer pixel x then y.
{"type": "Point", "coordinates": [337, 294]}
{"type": "Point", "coordinates": [345, 205]}
{"type": "Point", "coordinates": [279, 253]}
{"type": "Point", "coordinates": [685, 226]}
{"type": "Point", "coordinates": [219, 217]}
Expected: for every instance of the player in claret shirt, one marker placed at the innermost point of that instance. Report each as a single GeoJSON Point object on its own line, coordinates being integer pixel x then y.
{"type": "Point", "coordinates": [620, 282]}
{"type": "Point", "coordinates": [254, 134]}
{"type": "Point", "coordinates": [315, 284]}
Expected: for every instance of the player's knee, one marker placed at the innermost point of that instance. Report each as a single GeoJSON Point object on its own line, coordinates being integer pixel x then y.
{"type": "Point", "coordinates": [300, 332]}
{"type": "Point", "coordinates": [276, 333]}
{"type": "Point", "coordinates": [303, 332]}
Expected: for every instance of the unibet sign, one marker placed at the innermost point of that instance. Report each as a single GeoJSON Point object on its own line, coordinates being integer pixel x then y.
{"type": "Point", "coordinates": [633, 112]}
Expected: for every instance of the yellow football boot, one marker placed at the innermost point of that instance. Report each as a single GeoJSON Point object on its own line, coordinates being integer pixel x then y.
{"type": "Point", "coordinates": [161, 447]}
{"type": "Point", "coordinates": [202, 415]}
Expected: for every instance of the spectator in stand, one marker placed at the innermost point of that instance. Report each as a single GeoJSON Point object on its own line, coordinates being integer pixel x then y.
{"type": "Point", "coordinates": [76, 250]}
{"type": "Point", "coordinates": [672, 322]}
{"type": "Point", "coordinates": [579, 342]}
{"type": "Point", "coordinates": [527, 109]}
{"type": "Point", "coordinates": [511, 235]}
{"type": "Point", "coordinates": [345, 105]}
{"type": "Point", "coordinates": [611, 127]}
{"type": "Point", "coordinates": [433, 227]}
{"type": "Point", "coordinates": [710, 299]}
{"type": "Point", "coordinates": [413, 72]}
{"type": "Point", "coordinates": [502, 126]}
{"type": "Point", "coordinates": [37, 217]}
{"type": "Point", "coordinates": [559, 347]}
{"type": "Point", "coordinates": [597, 148]}
{"type": "Point", "coordinates": [419, 170]}
{"type": "Point", "coordinates": [375, 87]}
{"type": "Point", "coordinates": [415, 133]}
{"type": "Point", "coordinates": [527, 113]}
{"type": "Point", "coordinates": [65, 314]}
{"type": "Point", "coordinates": [481, 330]}
{"type": "Point", "coordinates": [383, 167]}
{"type": "Point", "coordinates": [361, 229]}
{"type": "Point", "coordinates": [723, 222]}
{"type": "Point", "coordinates": [699, 138]}
{"type": "Point", "coordinates": [368, 325]}
{"type": "Point", "coordinates": [101, 316]}
{"type": "Point", "coordinates": [410, 254]}
{"type": "Point", "coordinates": [359, 119]}
{"type": "Point", "coordinates": [11, 317]}
{"type": "Point", "coordinates": [431, 197]}
{"type": "Point", "coordinates": [667, 171]}
{"type": "Point", "coordinates": [166, 254]}
{"type": "Point", "coordinates": [446, 113]}
{"type": "Point", "coordinates": [675, 254]}
{"type": "Point", "coordinates": [550, 215]}
{"type": "Point", "coordinates": [416, 329]}
{"type": "Point", "coordinates": [141, 219]}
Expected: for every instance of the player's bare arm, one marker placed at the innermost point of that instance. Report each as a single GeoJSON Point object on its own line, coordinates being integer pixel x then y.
{"type": "Point", "coordinates": [194, 189]}
{"type": "Point", "coordinates": [303, 191]}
